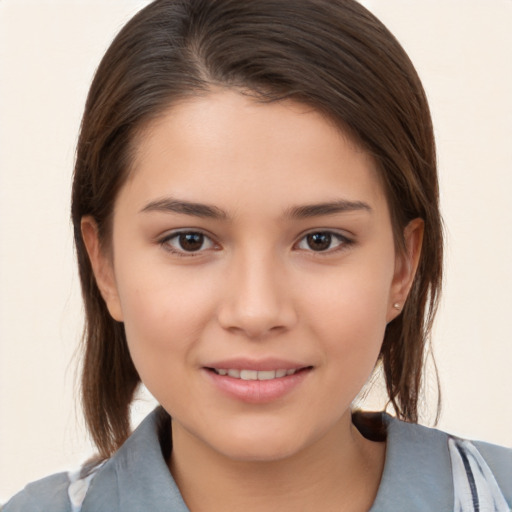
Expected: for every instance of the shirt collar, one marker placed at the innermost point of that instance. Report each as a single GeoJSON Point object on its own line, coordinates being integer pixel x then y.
{"type": "Point", "coordinates": [417, 472]}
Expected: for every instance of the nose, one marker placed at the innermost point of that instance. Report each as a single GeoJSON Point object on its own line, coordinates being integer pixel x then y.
{"type": "Point", "coordinates": [257, 300]}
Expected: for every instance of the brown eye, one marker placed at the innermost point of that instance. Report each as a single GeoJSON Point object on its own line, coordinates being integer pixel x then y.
{"type": "Point", "coordinates": [319, 241]}
{"type": "Point", "coordinates": [323, 241]}
{"type": "Point", "coordinates": [187, 242]}
{"type": "Point", "coordinates": [191, 241]}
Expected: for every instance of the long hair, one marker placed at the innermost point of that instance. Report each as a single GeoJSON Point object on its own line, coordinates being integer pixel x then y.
{"type": "Point", "coordinates": [332, 55]}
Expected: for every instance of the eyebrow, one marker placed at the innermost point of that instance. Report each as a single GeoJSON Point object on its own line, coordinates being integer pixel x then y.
{"type": "Point", "coordinates": [330, 208]}
{"type": "Point", "coordinates": [171, 205]}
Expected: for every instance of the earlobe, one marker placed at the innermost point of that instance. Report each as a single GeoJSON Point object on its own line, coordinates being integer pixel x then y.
{"type": "Point", "coordinates": [102, 267]}
{"type": "Point", "coordinates": [405, 268]}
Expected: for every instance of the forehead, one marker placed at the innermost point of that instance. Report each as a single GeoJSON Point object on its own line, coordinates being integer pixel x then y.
{"type": "Point", "coordinates": [228, 147]}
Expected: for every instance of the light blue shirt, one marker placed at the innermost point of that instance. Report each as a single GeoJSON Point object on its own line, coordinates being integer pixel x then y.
{"type": "Point", "coordinates": [419, 473]}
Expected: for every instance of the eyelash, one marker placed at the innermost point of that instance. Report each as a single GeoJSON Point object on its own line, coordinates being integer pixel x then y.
{"type": "Point", "coordinates": [344, 243]}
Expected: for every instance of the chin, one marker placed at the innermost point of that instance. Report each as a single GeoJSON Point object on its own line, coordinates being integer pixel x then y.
{"type": "Point", "coordinates": [260, 450]}
{"type": "Point", "coordinates": [260, 443]}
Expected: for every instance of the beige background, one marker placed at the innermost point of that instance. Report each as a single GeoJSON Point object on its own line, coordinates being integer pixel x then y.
{"type": "Point", "coordinates": [48, 52]}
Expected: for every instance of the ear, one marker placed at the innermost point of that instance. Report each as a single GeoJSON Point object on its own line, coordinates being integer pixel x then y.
{"type": "Point", "coordinates": [406, 264]}
{"type": "Point", "coordinates": [102, 266]}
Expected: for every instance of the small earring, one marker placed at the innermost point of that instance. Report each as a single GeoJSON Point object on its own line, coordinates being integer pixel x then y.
{"type": "Point", "coordinates": [397, 306]}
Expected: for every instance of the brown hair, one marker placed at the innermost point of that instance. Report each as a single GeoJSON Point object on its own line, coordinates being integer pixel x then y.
{"type": "Point", "coordinates": [331, 54]}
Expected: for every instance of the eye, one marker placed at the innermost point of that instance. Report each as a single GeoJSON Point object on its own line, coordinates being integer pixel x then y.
{"type": "Point", "coordinates": [185, 242]}
{"type": "Point", "coordinates": [323, 241]}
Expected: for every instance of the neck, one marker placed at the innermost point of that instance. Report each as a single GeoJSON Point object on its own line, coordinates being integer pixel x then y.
{"type": "Point", "coordinates": [339, 472]}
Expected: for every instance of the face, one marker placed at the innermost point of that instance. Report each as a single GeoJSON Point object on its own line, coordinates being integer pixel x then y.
{"type": "Point", "coordinates": [254, 267]}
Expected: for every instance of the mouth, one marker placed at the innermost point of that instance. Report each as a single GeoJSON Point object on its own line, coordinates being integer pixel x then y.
{"type": "Point", "coordinates": [245, 374]}
{"type": "Point", "coordinates": [257, 382]}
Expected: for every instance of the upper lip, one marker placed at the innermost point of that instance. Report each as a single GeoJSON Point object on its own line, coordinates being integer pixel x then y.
{"type": "Point", "coordinates": [266, 364]}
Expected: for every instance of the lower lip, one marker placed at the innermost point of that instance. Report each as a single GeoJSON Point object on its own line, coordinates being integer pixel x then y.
{"type": "Point", "coordinates": [257, 391]}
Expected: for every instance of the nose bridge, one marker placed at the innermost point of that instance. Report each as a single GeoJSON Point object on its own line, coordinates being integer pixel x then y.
{"type": "Point", "coordinates": [257, 299]}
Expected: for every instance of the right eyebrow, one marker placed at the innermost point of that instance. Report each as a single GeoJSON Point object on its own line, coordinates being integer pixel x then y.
{"type": "Point", "coordinates": [171, 205]}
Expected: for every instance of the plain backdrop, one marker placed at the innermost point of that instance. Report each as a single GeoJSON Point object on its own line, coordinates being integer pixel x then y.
{"type": "Point", "coordinates": [48, 52]}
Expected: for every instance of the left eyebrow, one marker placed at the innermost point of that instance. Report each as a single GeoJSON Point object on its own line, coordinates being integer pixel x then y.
{"type": "Point", "coordinates": [330, 208]}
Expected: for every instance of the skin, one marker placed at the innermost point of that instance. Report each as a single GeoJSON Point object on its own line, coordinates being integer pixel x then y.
{"type": "Point", "coordinates": [257, 288]}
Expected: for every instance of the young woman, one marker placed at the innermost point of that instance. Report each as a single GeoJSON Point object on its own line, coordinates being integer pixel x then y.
{"type": "Point", "coordinates": [256, 217]}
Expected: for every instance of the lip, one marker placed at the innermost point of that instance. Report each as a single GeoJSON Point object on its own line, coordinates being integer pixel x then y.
{"type": "Point", "coordinates": [257, 391]}
{"type": "Point", "coordinates": [259, 365]}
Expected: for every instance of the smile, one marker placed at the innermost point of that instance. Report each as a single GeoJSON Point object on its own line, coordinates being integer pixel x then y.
{"type": "Point", "coordinates": [256, 386]}
{"type": "Point", "coordinates": [254, 374]}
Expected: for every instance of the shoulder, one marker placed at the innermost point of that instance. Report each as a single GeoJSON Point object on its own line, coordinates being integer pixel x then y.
{"type": "Point", "coordinates": [62, 492]}
{"type": "Point", "coordinates": [135, 476]}
{"type": "Point", "coordinates": [439, 467]}
{"type": "Point", "coordinates": [499, 460]}
{"type": "Point", "coordinates": [50, 493]}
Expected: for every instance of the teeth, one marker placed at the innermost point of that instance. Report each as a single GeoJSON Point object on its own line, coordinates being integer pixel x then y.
{"type": "Point", "coordinates": [248, 374]}
{"type": "Point", "coordinates": [266, 375]}
{"type": "Point", "coordinates": [253, 374]}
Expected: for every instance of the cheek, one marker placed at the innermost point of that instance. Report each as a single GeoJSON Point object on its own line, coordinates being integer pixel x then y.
{"type": "Point", "coordinates": [347, 311]}
{"type": "Point", "coordinates": [164, 313]}
{"type": "Point", "coordinates": [351, 343]}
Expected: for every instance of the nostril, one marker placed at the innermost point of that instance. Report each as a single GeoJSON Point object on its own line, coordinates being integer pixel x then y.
{"type": "Point", "coordinates": [256, 324]}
